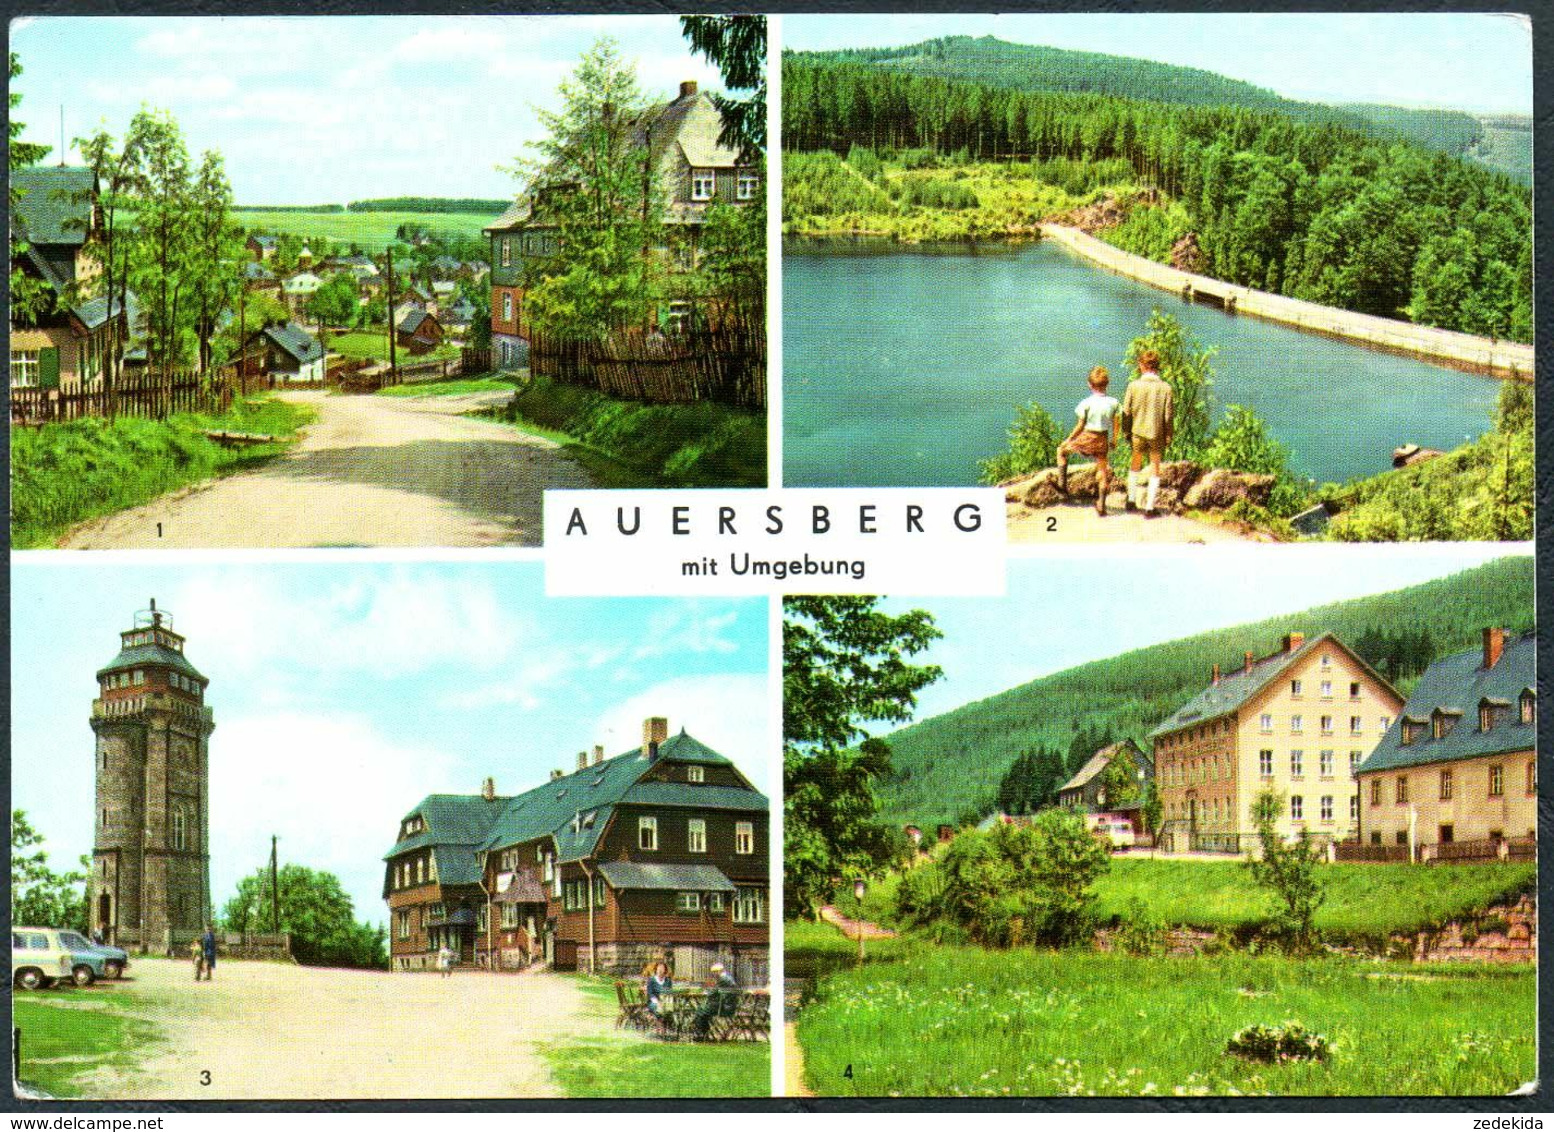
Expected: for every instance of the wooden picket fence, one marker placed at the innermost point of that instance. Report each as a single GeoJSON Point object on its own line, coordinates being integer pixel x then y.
{"type": "Point", "coordinates": [151, 395]}
{"type": "Point", "coordinates": [725, 364]}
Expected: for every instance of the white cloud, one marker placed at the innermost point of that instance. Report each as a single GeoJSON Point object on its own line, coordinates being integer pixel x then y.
{"type": "Point", "coordinates": [689, 628]}
{"type": "Point", "coordinates": [330, 786]}
{"type": "Point", "coordinates": [727, 713]}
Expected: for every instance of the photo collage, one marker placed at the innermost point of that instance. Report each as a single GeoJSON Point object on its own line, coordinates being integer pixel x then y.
{"type": "Point", "coordinates": [801, 561]}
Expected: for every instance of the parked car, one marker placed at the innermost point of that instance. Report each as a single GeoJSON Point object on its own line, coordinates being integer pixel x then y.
{"type": "Point", "coordinates": [115, 959]}
{"type": "Point", "coordinates": [1116, 833]}
{"type": "Point", "coordinates": [39, 958]}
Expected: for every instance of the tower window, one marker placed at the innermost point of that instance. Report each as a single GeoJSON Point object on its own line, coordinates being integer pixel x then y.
{"type": "Point", "coordinates": [180, 828]}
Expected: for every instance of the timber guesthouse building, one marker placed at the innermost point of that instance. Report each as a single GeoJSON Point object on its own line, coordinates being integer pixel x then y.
{"type": "Point", "coordinates": [660, 852]}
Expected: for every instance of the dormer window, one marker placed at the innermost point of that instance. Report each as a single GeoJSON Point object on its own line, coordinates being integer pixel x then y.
{"type": "Point", "coordinates": [695, 774]}
{"type": "Point", "coordinates": [647, 833]}
{"type": "Point", "coordinates": [1411, 730]}
{"type": "Point", "coordinates": [704, 184]}
{"type": "Point", "coordinates": [1529, 707]}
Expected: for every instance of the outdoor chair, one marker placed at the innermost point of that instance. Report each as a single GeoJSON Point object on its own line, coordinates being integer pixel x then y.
{"type": "Point", "coordinates": [721, 1027]}
{"type": "Point", "coordinates": [633, 1007]}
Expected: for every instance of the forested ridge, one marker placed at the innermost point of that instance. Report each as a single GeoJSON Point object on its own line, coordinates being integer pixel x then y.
{"type": "Point", "coordinates": [950, 766]}
{"type": "Point", "coordinates": [1030, 67]}
{"type": "Point", "coordinates": [1318, 212]}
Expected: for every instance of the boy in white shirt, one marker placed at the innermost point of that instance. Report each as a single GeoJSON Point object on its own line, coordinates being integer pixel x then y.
{"type": "Point", "coordinates": [1092, 436]}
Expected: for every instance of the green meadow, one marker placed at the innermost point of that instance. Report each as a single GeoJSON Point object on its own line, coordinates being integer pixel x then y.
{"type": "Point", "coordinates": [923, 1020]}
{"type": "Point", "coordinates": [373, 231]}
{"type": "Point", "coordinates": [66, 1038]}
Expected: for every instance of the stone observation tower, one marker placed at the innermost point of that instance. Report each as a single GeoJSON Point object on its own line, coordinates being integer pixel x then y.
{"type": "Point", "coordinates": [150, 883]}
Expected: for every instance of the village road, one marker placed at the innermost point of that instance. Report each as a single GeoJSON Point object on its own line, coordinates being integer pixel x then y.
{"type": "Point", "coordinates": [272, 1031]}
{"type": "Point", "coordinates": [1078, 522]}
{"type": "Point", "coordinates": [370, 471]}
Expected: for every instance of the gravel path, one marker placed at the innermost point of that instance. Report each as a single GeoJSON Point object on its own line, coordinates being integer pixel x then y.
{"type": "Point", "coordinates": [275, 1031]}
{"type": "Point", "coordinates": [370, 471]}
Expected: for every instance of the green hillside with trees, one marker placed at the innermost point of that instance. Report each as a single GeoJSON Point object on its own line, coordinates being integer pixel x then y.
{"type": "Point", "coordinates": [1031, 67]}
{"type": "Point", "coordinates": [950, 768]}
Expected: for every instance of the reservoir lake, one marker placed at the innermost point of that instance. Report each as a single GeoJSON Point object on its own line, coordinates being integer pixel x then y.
{"type": "Point", "coordinates": [904, 367]}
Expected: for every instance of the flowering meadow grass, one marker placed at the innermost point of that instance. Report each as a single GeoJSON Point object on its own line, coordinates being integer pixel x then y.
{"type": "Point", "coordinates": [924, 1020]}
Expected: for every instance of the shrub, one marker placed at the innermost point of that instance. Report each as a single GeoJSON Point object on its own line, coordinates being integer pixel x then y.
{"type": "Point", "coordinates": [1139, 933]}
{"type": "Point", "coordinates": [1186, 365]}
{"type": "Point", "coordinates": [1241, 443]}
{"type": "Point", "coordinates": [1290, 1042]}
{"type": "Point", "coordinates": [1289, 872]}
{"type": "Point", "coordinates": [1033, 445]}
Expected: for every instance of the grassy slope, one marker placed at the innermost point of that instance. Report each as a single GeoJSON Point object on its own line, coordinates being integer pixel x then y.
{"type": "Point", "coordinates": [951, 761]}
{"type": "Point", "coordinates": [629, 444]}
{"type": "Point", "coordinates": [916, 1021]}
{"type": "Point", "coordinates": [374, 231]}
{"type": "Point", "coordinates": [67, 1036]}
{"type": "Point", "coordinates": [626, 1064]}
{"type": "Point", "coordinates": [371, 344]}
{"type": "Point", "coordinates": [451, 388]}
{"type": "Point", "coordinates": [64, 474]}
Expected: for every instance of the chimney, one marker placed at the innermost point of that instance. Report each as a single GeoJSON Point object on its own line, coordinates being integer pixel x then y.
{"type": "Point", "coordinates": [488, 789]}
{"type": "Point", "coordinates": [1216, 674]}
{"type": "Point", "coordinates": [598, 754]}
{"type": "Point", "coordinates": [688, 89]}
{"type": "Point", "coordinates": [1249, 660]}
{"type": "Point", "coordinates": [1494, 645]}
{"type": "Point", "coordinates": [655, 729]}
{"type": "Point", "coordinates": [582, 760]}
{"type": "Point", "coordinates": [557, 773]}
{"type": "Point", "coordinates": [1293, 641]}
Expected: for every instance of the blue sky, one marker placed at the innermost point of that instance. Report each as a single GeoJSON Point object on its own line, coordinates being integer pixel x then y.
{"type": "Point", "coordinates": [344, 693]}
{"type": "Point", "coordinates": [1476, 62]}
{"type": "Point", "coordinates": [1063, 612]}
{"type": "Point", "coordinates": [311, 110]}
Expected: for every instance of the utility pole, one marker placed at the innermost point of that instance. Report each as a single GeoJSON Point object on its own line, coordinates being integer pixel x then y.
{"type": "Point", "coordinates": [242, 339]}
{"type": "Point", "coordinates": [275, 889]}
{"type": "Point", "coordinates": [393, 355]}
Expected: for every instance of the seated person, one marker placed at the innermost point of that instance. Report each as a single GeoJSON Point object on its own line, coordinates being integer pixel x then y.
{"type": "Point", "coordinates": [659, 983]}
{"type": "Point", "coordinates": [721, 1001]}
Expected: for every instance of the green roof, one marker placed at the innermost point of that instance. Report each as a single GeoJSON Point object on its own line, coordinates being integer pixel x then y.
{"type": "Point", "coordinates": [56, 203]}
{"type": "Point", "coordinates": [451, 819]}
{"type": "Point", "coordinates": [142, 656]}
{"type": "Point", "coordinates": [1458, 684]}
{"type": "Point", "coordinates": [456, 864]}
{"type": "Point", "coordinates": [548, 810]}
{"type": "Point", "coordinates": [689, 878]}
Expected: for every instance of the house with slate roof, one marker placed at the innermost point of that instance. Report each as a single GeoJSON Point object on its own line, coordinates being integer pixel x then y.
{"type": "Point", "coordinates": [285, 353]}
{"type": "Point", "coordinates": [660, 852]}
{"type": "Point", "coordinates": [65, 346]}
{"type": "Point", "coordinates": [1459, 765]}
{"type": "Point", "coordinates": [1297, 722]}
{"type": "Point", "coordinates": [419, 331]}
{"type": "Point", "coordinates": [262, 247]}
{"type": "Point", "coordinates": [1087, 788]}
{"type": "Point", "coordinates": [693, 167]}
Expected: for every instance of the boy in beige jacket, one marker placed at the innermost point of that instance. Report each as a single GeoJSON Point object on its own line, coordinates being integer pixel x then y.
{"type": "Point", "coordinates": [1147, 413]}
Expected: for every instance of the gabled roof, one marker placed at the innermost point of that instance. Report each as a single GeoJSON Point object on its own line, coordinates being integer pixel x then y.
{"type": "Point", "coordinates": [1097, 763]}
{"type": "Point", "coordinates": [456, 864]}
{"type": "Point", "coordinates": [413, 319]}
{"type": "Point", "coordinates": [264, 241]}
{"type": "Point", "coordinates": [1238, 687]}
{"type": "Point", "coordinates": [294, 341]}
{"type": "Point", "coordinates": [549, 810]}
{"type": "Point", "coordinates": [56, 203]}
{"type": "Point", "coordinates": [521, 888]}
{"type": "Point", "coordinates": [1458, 683]}
{"type": "Point", "coordinates": [302, 280]}
{"type": "Point", "coordinates": [253, 270]}
{"type": "Point", "coordinates": [516, 216]}
{"type": "Point", "coordinates": [451, 819]}
{"type": "Point", "coordinates": [94, 312]}
{"type": "Point", "coordinates": [629, 875]}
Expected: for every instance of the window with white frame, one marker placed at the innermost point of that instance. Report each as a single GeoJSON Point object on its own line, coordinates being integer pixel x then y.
{"type": "Point", "coordinates": [420, 870]}
{"type": "Point", "coordinates": [1296, 724]}
{"type": "Point", "coordinates": [1325, 808]}
{"type": "Point", "coordinates": [1265, 763]}
{"type": "Point", "coordinates": [746, 186]}
{"type": "Point", "coordinates": [1325, 764]}
{"type": "Point", "coordinates": [1296, 769]}
{"type": "Point", "coordinates": [598, 892]}
{"type": "Point", "coordinates": [714, 902]}
{"type": "Point", "coordinates": [695, 774]}
{"type": "Point", "coordinates": [696, 835]}
{"type": "Point", "coordinates": [1354, 808]}
{"type": "Point", "coordinates": [402, 923]}
{"type": "Point", "coordinates": [1265, 722]}
{"type": "Point", "coordinates": [507, 306]}
{"type": "Point", "coordinates": [647, 833]}
{"type": "Point", "coordinates": [1295, 687]}
{"type": "Point", "coordinates": [704, 183]}
{"type": "Point", "coordinates": [1354, 761]}
{"type": "Point", "coordinates": [749, 906]}
{"type": "Point", "coordinates": [509, 915]}
{"type": "Point", "coordinates": [687, 902]}
{"type": "Point", "coordinates": [24, 369]}
{"type": "Point", "coordinates": [1386, 722]}
{"type": "Point", "coordinates": [1326, 723]}
{"type": "Point", "coordinates": [1297, 807]}
{"type": "Point", "coordinates": [1327, 689]}
{"type": "Point", "coordinates": [507, 251]}
{"type": "Point", "coordinates": [744, 837]}
{"type": "Point", "coordinates": [180, 828]}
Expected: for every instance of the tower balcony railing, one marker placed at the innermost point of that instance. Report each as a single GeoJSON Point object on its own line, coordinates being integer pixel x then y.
{"type": "Point", "coordinates": [150, 701]}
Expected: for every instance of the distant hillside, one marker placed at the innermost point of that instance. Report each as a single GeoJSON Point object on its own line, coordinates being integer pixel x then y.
{"type": "Point", "coordinates": [953, 762]}
{"type": "Point", "coordinates": [1022, 66]}
{"type": "Point", "coordinates": [1505, 143]}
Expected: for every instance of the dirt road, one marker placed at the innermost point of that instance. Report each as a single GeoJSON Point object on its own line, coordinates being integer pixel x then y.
{"type": "Point", "coordinates": [271, 1031]}
{"type": "Point", "coordinates": [1078, 522]}
{"type": "Point", "coordinates": [371, 471]}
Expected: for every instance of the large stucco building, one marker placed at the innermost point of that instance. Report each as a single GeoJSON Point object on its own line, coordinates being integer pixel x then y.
{"type": "Point", "coordinates": [1460, 763]}
{"type": "Point", "coordinates": [1297, 722]}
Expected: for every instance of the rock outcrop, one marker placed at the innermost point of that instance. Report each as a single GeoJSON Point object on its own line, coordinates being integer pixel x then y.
{"type": "Point", "coordinates": [1186, 255]}
{"type": "Point", "coordinates": [1184, 486]}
